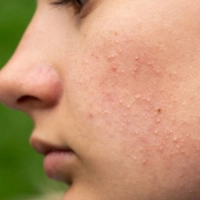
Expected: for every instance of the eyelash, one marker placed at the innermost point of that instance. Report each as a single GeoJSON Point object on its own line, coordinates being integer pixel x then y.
{"type": "Point", "coordinates": [75, 3]}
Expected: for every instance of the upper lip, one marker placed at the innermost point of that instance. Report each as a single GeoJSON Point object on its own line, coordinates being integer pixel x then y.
{"type": "Point", "coordinates": [45, 148]}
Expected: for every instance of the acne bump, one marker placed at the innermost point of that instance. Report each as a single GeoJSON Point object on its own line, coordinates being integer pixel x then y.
{"type": "Point", "coordinates": [91, 115]}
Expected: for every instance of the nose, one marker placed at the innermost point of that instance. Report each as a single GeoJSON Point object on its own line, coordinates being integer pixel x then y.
{"type": "Point", "coordinates": [28, 83]}
{"type": "Point", "coordinates": [29, 88]}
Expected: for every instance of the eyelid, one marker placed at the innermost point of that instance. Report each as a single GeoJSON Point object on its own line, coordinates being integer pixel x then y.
{"type": "Point", "coordinates": [71, 3]}
{"type": "Point", "coordinates": [64, 2]}
{"type": "Point", "coordinates": [80, 10]}
{"type": "Point", "coordinates": [61, 2]}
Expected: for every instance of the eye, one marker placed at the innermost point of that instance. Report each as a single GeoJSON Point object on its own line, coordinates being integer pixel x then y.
{"type": "Point", "coordinates": [78, 3]}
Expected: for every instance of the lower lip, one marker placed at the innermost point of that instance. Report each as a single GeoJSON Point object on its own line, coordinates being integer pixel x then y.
{"type": "Point", "coordinates": [57, 164]}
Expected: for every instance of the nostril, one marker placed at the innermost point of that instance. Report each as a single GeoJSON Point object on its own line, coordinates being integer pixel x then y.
{"type": "Point", "coordinates": [28, 102]}
{"type": "Point", "coordinates": [27, 98]}
{"type": "Point", "coordinates": [30, 88]}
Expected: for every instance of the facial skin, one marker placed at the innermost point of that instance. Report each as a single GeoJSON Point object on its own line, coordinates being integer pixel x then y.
{"type": "Point", "coordinates": [118, 83]}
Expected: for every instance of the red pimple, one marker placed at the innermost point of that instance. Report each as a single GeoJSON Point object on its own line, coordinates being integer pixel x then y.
{"type": "Point", "coordinates": [114, 68]}
{"type": "Point", "coordinates": [91, 115]}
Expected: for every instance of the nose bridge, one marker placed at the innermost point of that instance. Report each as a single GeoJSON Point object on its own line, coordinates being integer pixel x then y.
{"type": "Point", "coordinates": [27, 78]}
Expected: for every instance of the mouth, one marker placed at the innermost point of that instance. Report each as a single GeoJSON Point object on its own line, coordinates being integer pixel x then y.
{"type": "Point", "coordinates": [59, 163]}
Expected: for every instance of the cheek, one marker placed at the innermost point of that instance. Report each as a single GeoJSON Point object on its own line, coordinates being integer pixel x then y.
{"type": "Point", "coordinates": [138, 108]}
{"type": "Point", "coordinates": [114, 87]}
{"type": "Point", "coordinates": [122, 78]}
{"type": "Point", "coordinates": [125, 75]}
{"type": "Point", "coordinates": [116, 78]}
{"type": "Point", "coordinates": [127, 88]}
{"type": "Point", "coordinates": [126, 65]}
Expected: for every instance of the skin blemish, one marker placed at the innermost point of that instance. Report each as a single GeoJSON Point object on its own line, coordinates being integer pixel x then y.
{"type": "Point", "coordinates": [134, 157]}
{"type": "Point", "coordinates": [112, 57]}
{"type": "Point", "coordinates": [156, 132]}
{"type": "Point", "coordinates": [158, 120]}
{"type": "Point", "coordinates": [114, 68]}
{"type": "Point", "coordinates": [106, 112]}
{"type": "Point", "coordinates": [175, 139]}
{"type": "Point", "coordinates": [159, 110]}
{"type": "Point", "coordinates": [150, 64]}
{"type": "Point", "coordinates": [144, 162]}
{"type": "Point", "coordinates": [138, 96]}
{"type": "Point", "coordinates": [91, 115]}
{"type": "Point", "coordinates": [123, 124]}
{"type": "Point", "coordinates": [137, 58]}
{"type": "Point", "coordinates": [116, 41]}
{"type": "Point", "coordinates": [128, 106]}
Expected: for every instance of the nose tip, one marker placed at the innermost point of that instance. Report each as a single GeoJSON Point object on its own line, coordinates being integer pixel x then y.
{"type": "Point", "coordinates": [29, 88]}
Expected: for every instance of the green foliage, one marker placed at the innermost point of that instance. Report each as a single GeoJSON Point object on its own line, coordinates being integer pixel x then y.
{"type": "Point", "coordinates": [14, 17]}
{"type": "Point", "coordinates": [21, 172]}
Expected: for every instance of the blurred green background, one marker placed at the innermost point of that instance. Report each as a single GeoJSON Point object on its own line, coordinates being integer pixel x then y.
{"type": "Point", "coordinates": [21, 171]}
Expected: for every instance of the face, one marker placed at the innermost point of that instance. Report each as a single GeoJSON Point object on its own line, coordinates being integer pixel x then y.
{"type": "Point", "coordinates": [113, 89]}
